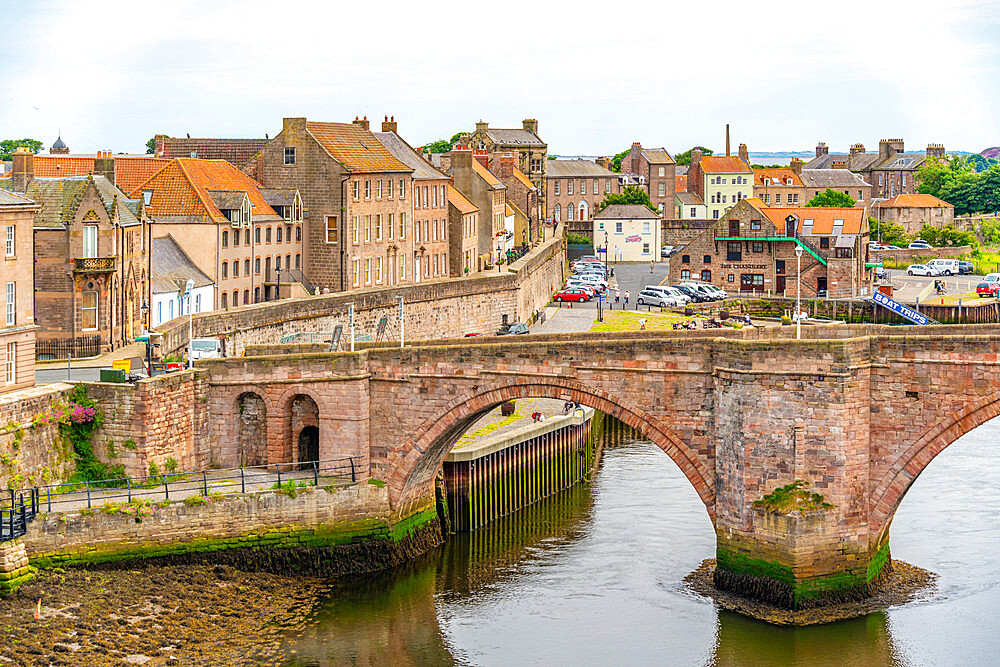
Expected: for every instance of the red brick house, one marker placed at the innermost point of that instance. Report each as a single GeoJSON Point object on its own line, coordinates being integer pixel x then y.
{"type": "Point", "coordinates": [656, 171]}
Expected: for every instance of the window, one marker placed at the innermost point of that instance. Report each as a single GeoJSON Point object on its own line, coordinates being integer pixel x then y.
{"type": "Point", "coordinates": [402, 225]}
{"type": "Point", "coordinates": [256, 295]}
{"type": "Point", "coordinates": [246, 297]}
{"type": "Point", "coordinates": [277, 263]}
{"type": "Point", "coordinates": [378, 269]}
{"type": "Point", "coordinates": [861, 195]}
{"type": "Point", "coordinates": [685, 259]}
{"type": "Point", "coordinates": [734, 251]}
{"type": "Point", "coordinates": [225, 239]}
{"type": "Point", "coordinates": [570, 212]}
{"type": "Point", "coordinates": [707, 259]}
{"type": "Point", "coordinates": [618, 228]}
{"type": "Point", "coordinates": [685, 274]}
{"type": "Point", "coordinates": [279, 235]}
{"type": "Point", "coordinates": [90, 240]}
{"type": "Point", "coordinates": [600, 226]}
{"type": "Point", "coordinates": [758, 246]}
{"type": "Point", "coordinates": [256, 235]}
{"type": "Point", "coordinates": [368, 189]}
{"type": "Point", "coordinates": [368, 229]}
{"type": "Point", "coordinates": [236, 237]}
{"type": "Point", "coordinates": [402, 189]}
{"type": "Point", "coordinates": [298, 233]}
{"type": "Point", "coordinates": [368, 271]}
{"type": "Point", "coordinates": [378, 189]}
{"type": "Point", "coordinates": [881, 180]}
{"type": "Point", "coordinates": [794, 198]}
{"type": "Point", "coordinates": [357, 189]}
{"type": "Point", "coordinates": [236, 270]}
{"type": "Point", "coordinates": [10, 308]}
{"type": "Point", "coordinates": [557, 213]}
{"type": "Point", "coordinates": [256, 269]}
{"type": "Point", "coordinates": [402, 267]}
{"type": "Point", "coordinates": [779, 266]}
{"type": "Point", "coordinates": [88, 310]}
{"type": "Point", "coordinates": [246, 239]}
{"type": "Point", "coordinates": [436, 264]}
{"type": "Point", "coordinates": [715, 214]}
{"type": "Point", "coordinates": [844, 253]}
{"type": "Point", "coordinates": [662, 190]}
{"type": "Point", "coordinates": [706, 275]}
{"type": "Point", "coordinates": [569, 187]}
{"type": "Point", "coordinates": [225, 269]}
{"type": "Point", "coordinates": [267, 235]}
{"type": "Point", "coordinates": [434, 228]}
{"type": "Point", "coordinates": [645, 228]}
{"type": "Point", "coordinates": [298, 261]}
{"type": "Point", "coordinates": [824, 242]}
{"type": "Point", "coordinates": [694, 211]}
{"type": "Point", "coordinates": [9, 374]}
{"type": "Point", "coordinates": [645, 248]}
{"type": "Point", "coordinates": [755, 224]}
{"type": "Point", "coordinates": [555, 187]}
{"type": "Point", "coordinates": [224, 303]}
{"type": "Point", "coordinates": [731, 278]}
{"type": "Point", "coordinates": [378, 226]}
{"type": "Point", "coordinates": [390, 226]}
{"type": "Point", "coordinates": [904, 180]}
{"type": "Point", "coordinates": [246, 267]}
{"type": "Point", "coordinates": [777, 197]}
{"type": "Point", "coordinates": [583, 187]}
{"type": "Point", "coordinates": [427, 200]}
{"type": "Point", "coordinates": [607, 185]}
{"type": "Point", "coordinates": [434, 191]}
{"type": "Point", "coordinates": [357, 229]}
{"type": "Point", "coordinates": [662, 171]}
{"type": "Point", "coordinates": [289, 155]}
{"type": "Point", "coordinates": [357, 272]}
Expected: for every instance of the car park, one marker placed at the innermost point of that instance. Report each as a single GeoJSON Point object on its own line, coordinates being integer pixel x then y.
{"type": "Point", "coordinates": [696, 295]}
{"type": "Point", "coordinates": [512, 329]}
{"type": "Point", "coordinates": [987, 289]}
{"type": "Point", "coordinates": [705, 289]}
{"type": "Point", "coordinates": [593, 280]}
{"type": "Point", "coordinates": [651, 298]}
{"type": "Point", "coordinates": [577, 294]}
{"type": "Point", "coordinates": [586, 287]}
{"type": "Point", "coordinates": [921, 270]}
{"type": "Point", "coordinates": [947, 267]}
{"type": "Point", "coordinates": [920, 245]}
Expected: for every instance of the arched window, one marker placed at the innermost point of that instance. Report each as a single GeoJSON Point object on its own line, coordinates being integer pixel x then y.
{"type": "Point", "coordinates": [557, 213]}
{"type": "Point", "coordinates": [278, 240]}
{"type": "Point", "coordinates": [225, 269]}
{"type": "Point", "coordinates": [298, 259]}
{"type": "Point", "coordinates": [267, 235]}
{"type": "Point", "coordinates": [236, 298]}
{"type": "Point", "coordinates": [246, 297]}
{"type": "Point", "coordinates": [225, 300]}
{"type": "Point", "coordinates": [569, 213]}
{"type": "Point", "coordinates": [236, 269]}
{"type": "Point", "coordinates": [298, 233]}
{"type": "Point", "coordinates": [225, 239]}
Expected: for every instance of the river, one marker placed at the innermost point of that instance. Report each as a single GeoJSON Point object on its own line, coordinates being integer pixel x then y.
{"type": "Point", "coordinates": [594, 576]}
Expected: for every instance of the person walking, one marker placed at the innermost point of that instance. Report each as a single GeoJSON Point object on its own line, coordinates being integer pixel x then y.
{"type": "Point", "coordinates": [651, 267]}
{"type": "Point", "coordinates": [626, 298]}
{"type": "Point", "coordinates": [618, 294]}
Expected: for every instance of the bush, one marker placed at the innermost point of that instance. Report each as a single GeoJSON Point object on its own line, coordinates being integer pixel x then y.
{"type": "Point", "coordinates": [154, 469]}
{"type": "Point", "coordinates": [578, 239]}
{"type": "Point", "coordinates": [171, 464]}
{"type": "Point", "coordinates": [947, 236]}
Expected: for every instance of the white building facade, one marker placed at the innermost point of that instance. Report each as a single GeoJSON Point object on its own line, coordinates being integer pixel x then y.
{"type": "Point", "coordinates": [631, 231]}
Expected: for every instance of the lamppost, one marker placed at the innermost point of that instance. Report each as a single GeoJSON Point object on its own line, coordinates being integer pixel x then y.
{"type": "Point", "coordinates": [188, 288]}
{"type": "Point", "coordinates": [279, 282]}
{"type": "Point", "coordinates": [499, 255]}
{"type": "Point", "coordinates": [798, 291]}
{"type": "Point", "coordinates": [149, 340]}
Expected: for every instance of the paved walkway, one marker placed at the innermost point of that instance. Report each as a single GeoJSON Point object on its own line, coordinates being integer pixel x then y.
{"type": "Point", "coordinates": [494, 423]}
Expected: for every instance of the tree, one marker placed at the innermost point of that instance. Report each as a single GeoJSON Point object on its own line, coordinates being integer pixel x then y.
{"type": "Point", "coordinates": [890, 233]}
{"type": "Point", "coordinates": [946, 236]}
{"type": "Point", "coordinates": [151, 145]}
{"type": "Point", "coordinates": [957, 182]}
{"type": "Point", "coordinates": [831, 199]}
{"type": "Point", "coordinates": [442, 145]}
{"type": "Point", "coordinates": [8, 146]}
{"type": "Point", "coordinates": [632, 194]}
{"type": "Point", "coordinates": [685, 157]}
{"type": "Point", "coordinates": [616, 161]}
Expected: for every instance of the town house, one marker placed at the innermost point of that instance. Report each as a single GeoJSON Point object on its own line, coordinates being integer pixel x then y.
{"type": "Point", "coordinates": [17, 328]}
{"type": "Point", "coordinates": [463, 234]}
{"type": "Point", "coordinates": [891, 171]}
{"type": "Point", "coordinates": [531, 151]}
{"type": "Point", "coordinates": [522, 195]}
{"type": "Point", "coordinates": [655, 171]}
{"type": "Point", "coordinates": [720, 180]}
{"type": "Point", "coordinates": [471, 176]}
{"type": "Point", "coordinates": [575, 188]}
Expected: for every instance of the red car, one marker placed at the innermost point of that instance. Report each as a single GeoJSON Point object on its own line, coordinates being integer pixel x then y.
{"type": "Point", "coordinates": [987, 289]}
{"type": "Point", "coordinates": [571, 294]}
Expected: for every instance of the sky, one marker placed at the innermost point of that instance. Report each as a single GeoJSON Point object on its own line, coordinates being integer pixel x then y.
{"type": "Point", "coordinates": [109, 75]}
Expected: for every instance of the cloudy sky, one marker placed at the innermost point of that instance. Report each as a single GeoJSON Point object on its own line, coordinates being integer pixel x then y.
{"type": "Point", "coordinates": [109, 74]}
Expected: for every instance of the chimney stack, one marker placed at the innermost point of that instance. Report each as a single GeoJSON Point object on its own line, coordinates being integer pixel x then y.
{"type": "Point", "coordinates": [821, 149]}
{"type": "Point", "coordinates": [744, 153]}
{"type": "Point", "coordinates": [104, 165]}
{"type": "Point", "coordinates": [503, 164]}
{"type": "Point", "coordinates": [531, 125]}
{"type": "Point", "coordinates": [461, 158]}
{"type": "Point", "coordinates": [796, 166]}
{"type": "Point", "coordinates": [604, 162]}
{"type": "Point", "coordinates": [935, 150]}
{"type": "Point", "coordinates": [24, 168]}
{"type": "Point", "coordinates": [482, 126]}
{"type": "Point", "coordinates": [363, 122]}
{"type": "Point", "coordinates": [389, 125]}
{"type": "Point", "coordinates": [727, 139]}
{"type": "Point", "coordinates": [481, 157]}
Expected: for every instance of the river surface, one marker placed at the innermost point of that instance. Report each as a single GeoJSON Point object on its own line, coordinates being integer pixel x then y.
{"type": "Point", "coordinates": [594, 576]}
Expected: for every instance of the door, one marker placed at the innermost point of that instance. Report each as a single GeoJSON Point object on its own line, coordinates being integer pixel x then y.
{"type": "Point", "coordinates": [779, 284]}
{"type": "Point", "coordinates": [309, 445]}
{"type": "Point", "coordinates": [734, 227]}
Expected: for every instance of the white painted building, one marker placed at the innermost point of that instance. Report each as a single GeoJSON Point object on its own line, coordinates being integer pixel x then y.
{"type": "Point", "coordinates": [632, 232]}
{"type": "Point", "coordinates": [171, 269]}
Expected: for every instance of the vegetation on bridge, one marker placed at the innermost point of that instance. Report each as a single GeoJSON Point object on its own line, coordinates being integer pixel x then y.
{"type": "Point", "coordinates": [793, 497]}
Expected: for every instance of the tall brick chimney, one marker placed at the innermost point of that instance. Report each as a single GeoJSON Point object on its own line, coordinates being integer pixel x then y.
{"type": "Point", "coordinates": [389, 125]}
{"type": "Point", "coordinates": [727, 140]}
{"type": "Point", "coordinates": [481, 157]}
{"type": "Point", "coordinates": [104, 165]}
{"type": "Point", "coordinates": [503, 164]}
{"type": "Point", "coordinates": [935, 150]}
{"type": "Point", "coordinates": [695, 156]}
{"type": "Point", "coordinates": [796, 166]}
{"type": "Point", "coordinates": [822, 149]}
{"type": "Point", "coordinates": [889, 147]}
{"type": "Point", "coordinates": [531, 125]}
{"type": "Point", "coordinates": [24, 168]}
{"type": "Point", "coordinates": [744, 153]}
{"type": "Point", "coordinates": [363, 122]}
{"type": "Point", "coordinates": [604, 162]}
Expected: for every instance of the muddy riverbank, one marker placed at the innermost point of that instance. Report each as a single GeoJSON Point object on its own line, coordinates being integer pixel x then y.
{"type": "Point", "coordinates": [164, 615]}
{"type": "Point", "coordinates": [903, 583]}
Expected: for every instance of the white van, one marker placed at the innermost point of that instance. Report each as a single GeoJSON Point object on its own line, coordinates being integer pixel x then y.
{"type": "Point", "coordinates": [947, 267]}
{"type": "Point", "coordinates": [205, 348]}
{"type": "Point", "coordinates": [680, 297]}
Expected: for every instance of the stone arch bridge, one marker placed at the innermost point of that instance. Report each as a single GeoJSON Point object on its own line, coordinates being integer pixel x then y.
{"type": "Point", "coordinates": [856, 411]}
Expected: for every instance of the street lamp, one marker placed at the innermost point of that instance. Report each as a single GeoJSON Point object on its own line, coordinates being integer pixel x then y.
{"type": "Point", "coordinates": [798, 292]}
{"type": "Point", "coordinates": [279, 282]}
{"type": "Point", "coordinates": [149, 339]}
{"type": "Point", "coordinates": [188, 288]}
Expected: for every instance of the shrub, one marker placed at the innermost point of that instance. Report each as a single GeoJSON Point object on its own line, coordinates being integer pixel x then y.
{"type": "Point", "coordinates": [171, 464]}
{"type": "Point", "coordinates": [154, 469]}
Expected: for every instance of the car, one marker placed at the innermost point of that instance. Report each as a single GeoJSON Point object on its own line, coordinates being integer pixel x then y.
{"type": "Point", "coordinates": [965, 268]}
{"type": "Point", "coordinates": [206, 348]}
{"type": "Point", "coordinates": [679, 297]}
{"type": "Point", "coordinates": [991, 278]}
{"type": "Point", "coordinates": [718, 290]}
{"type": "Point", "coordinates": [666, 251]}
{"type": "Point", "coordinates": [892, 247]}
{"type": "Point", "coordinates": [921, 270]}
{"type": "Point", "coordinates": [588, 258]}
{"type": "Point", "coordinates": [876, 247]}
{"type": "Point", "coordinates": [947, 267]}
{"type": "Point", "coordinates": [705, 289]}
{"type": "Point", "coordinates": [571, 294]}
{"type": "Point", "coordinates": [695, 295]}
{"type": "Point", "coordinates": [651, 298]}
{"type": "Point", "coordinates": [987, 289]}
{"type": "Point", "coordinates": [586, 268]}
{"type": "Point", "coordinates": [920, 245]}
{"type": "Point", "coordinates": [513, 329]}
{"type": "Point", "coordinates": [586, 287]}
{"type": "Point", "coordinates": [593, 280]}
{"type": "Point", "coordinates": [473, 334]}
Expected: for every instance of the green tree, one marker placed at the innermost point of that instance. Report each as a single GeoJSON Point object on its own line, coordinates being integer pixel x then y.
{"type": "Point", "coordinates": [957, 182]}
{"type": "Point", "coordinates": [831, 199]}
{"type": "Point", "coordinates": [889, 233]}
{"type": "Point", "coordinates": [685, 157]}
{"type": "Point", "coordinates": [442, 145]}
{"type": "Point", "coordinates": [8, 146]}
{"type": "Point", "coordinates": [632, 194]}
{"type": "Point", "coordinates": [946, 236]}
{"type": "Point", "coordinates": [616, 161]}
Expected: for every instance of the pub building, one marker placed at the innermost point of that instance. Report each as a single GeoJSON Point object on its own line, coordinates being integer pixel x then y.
{"type": "Point", "coordinates": [751, 249]}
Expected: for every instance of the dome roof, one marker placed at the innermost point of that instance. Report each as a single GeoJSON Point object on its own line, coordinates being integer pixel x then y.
{"type": "Point", "coordinates": [59, 143]}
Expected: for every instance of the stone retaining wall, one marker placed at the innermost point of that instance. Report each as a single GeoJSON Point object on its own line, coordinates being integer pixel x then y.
{"type": "Point", "coordinates": [31, 451]}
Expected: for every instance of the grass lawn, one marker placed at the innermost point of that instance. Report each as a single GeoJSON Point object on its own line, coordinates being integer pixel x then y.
{"type": "Point", "coordinates": [968, 299]}
{"type": "Point", "coordinates": [628, 320]}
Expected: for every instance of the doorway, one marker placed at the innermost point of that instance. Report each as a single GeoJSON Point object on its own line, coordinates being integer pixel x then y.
{"type": "Point", "coordinates": [309, 444]}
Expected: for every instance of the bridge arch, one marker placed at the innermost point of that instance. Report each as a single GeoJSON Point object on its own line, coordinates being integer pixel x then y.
{"type": "Point", "coordinates": [426, 449]}
{"type": "Point", "coordinates": [904, 470]}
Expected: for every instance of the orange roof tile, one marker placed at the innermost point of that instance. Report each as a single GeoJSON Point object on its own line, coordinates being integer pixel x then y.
{"type": "Point", "coordinates": [62, 166]}
{"type": "Point", "coordinates": [916, 201]}
{"type": "Point", "coordinates": [776, 177]}
{"type": "Point", "coordinates": [486, 174]}
{"type": "Point", "coordinates": [681, 183]}
{"type": "Point", "coordinates": [131, 172]}
{"type": "Point", "coordinates": [459, 201]}
{"type": "Point", "coordinates": [182, 188]}
{"type": "Point", "coordinates": [822, 218]}
{"type": "Point", "coordinates": [355, 147]}
{"type": "Point", "coordinates": [519, 175]}
{"type": "Point", "coordinates": [724, 164]}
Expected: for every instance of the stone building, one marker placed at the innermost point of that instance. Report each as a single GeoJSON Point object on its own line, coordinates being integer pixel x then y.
{"type": "Point", "coordinates": [915, 211]}
{"type": "Point", "coordinates": [91, 253]}
{"type": "Point", "coordinates": [720, 180]}
{"type": "Point", "coordinates": [430, 207]}
{"type": "Point", "coordinates": [690, 206]}
{"type": "Point", "coordinates": [575, 188]}
{"type": "Point", "coordinates": [841, 180]}
{"type": "Point", "coordinates": [521, 193]}
{"type": "Point", "coordinates": [631, 232]}
{"type": "Point", "coordinates": [655, 171]}
{"type": "Point", "coordinates": [127, 172]}
{"type": "Point", "coordinates": [224, 222]}
{"type": "Point", "coordinates": [17, 328]}
{"type": "Point", "coordinates": [358, 224]}
{"type": "Point", "coordinates": [531, 151]}
{"type": "Point", "coordinates": [463, 234]}
{"type": "Point", "coordinates": [170, 270]}
{"type": "Point", "coordinates": [471, 176]}
{"type": "Point", "coordinates": [751, 249]}
{"type": "Point", "coordinates": [890, 171]}
{"type": "Point", "coordinates": [779, 187]}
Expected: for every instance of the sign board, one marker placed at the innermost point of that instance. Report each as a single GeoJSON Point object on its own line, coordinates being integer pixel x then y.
{"type": "Point", "coordinates": [382, 323]}
{"type": "Point", "coordinates": [900, 309]}
{"type": "Point", "coordinates": [633, 239]}
{"type": "Point", "coordinates": [122, 365]}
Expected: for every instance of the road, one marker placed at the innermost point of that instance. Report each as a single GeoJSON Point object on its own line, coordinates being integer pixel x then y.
{"type": "Point", "coordinates": [50, 374]}
{"type": "Point", "coordinates": [906, 288]}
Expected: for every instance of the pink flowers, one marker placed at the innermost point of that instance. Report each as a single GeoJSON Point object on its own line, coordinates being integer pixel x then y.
{"type": "Point", "coordinates": [81, 415]}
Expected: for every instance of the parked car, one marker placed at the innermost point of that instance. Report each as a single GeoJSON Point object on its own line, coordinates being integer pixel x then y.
{"type": "Point", "coordinates": [205, 348]}
{"type": "Point", "coordinates": [948, 267]}
{"type": "Point", "coordinates": [965, 268]}
{"type": "Point", "coordinates": [572, 294]}
{"type": "Point", "coordinates": [512, 329]}
{"type": "Point", "coordinates": [876, 247]}
{"type": "Point", "coordinates": [991, 278]}
{"type": "Point", "coordinates": [705, 289]}
{"type": "Point", "coordinates": [593, 280]}
{"type": "Point", "coordinates": [987, 289]}
{"type": "Point", "coordinates": [651, 298]}
{"type": "Point", "coordinates": [920, 245]}
{"type": "Point", "coordinates": [586, 287]}
{"type": "Point", "coordinates": [892, 247]}
{"type": "Point", "coordinates": [921, 270]}
{"type": "Point", "coordinates": [666, 251]}
{"type": "Point", "coordinates": [680, 297]}
{"type": "Point", "coordinates": [696, 295]}
{"type": "Point", "coordinates": [718, 290]}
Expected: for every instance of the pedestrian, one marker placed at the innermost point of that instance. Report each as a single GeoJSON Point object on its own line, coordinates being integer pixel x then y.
{"type": "Point", "coordinates": [650, 267]}
{"type": "Point", "coordinates": [642, 324]}
{"type": "Point", "coordinates": [618, 296]}
{"type": "Point", "coordinates": [626, 298]}
{"type": "Point", "coordinates": [612, 272]}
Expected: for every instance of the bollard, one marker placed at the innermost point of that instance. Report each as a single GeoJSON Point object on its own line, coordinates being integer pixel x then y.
{"type": "Point", "coordinates": [243, 484]}
{"type": "Point", "coordinates": [315, 473]}
{"type": "Point", "coordinates": [353, 476]}
{"type": "Point", "coordinates": [128, 485]}
{"type": "Point", "coordinates": [88, 492]}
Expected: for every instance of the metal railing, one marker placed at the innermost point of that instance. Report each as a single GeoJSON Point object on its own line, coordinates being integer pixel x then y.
{"type": "Point", "coordinates": [81, 346]}
{"type": "Point", "coordinates": [94, 264]}
{"type": "Point", "coordinates": [72, 496]}
{"type": "Point", "coordinates": [16, 513]}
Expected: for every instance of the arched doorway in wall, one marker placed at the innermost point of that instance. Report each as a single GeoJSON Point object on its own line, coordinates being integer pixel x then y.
{"type": "Point", "coordinates": [251, 435]}
{"type": "Point", "coordinates": [302, 427]}
{"type": "Point", "coordinates": [309, 444]}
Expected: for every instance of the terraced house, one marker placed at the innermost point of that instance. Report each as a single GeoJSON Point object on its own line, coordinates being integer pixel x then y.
{"type": "Point", "coordinates": [891, 171]}
{"type": "Point", "coordinates": [91, 252]}
{"type": "Point", "coordinates": [655, 171]}
{"type": "Point", "coordinates": [532, 153]}
{"type": "Point", "coordinates": [720, 180]}
{"type": "Point", "coordinates": [357, 199]}
{"type": "Point", "coordinates": [17, 328]}
{"type": "Point", "coordinates": [574, 188]}
{"type": "Point", "coordinates": [242, 236]}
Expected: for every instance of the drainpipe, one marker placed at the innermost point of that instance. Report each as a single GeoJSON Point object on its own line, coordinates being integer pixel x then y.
{"type": "Point", "coordinates": [342, 224]}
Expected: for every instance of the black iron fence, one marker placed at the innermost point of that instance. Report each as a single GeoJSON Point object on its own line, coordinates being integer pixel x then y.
{"type": "Point", "coordinates": [169, 486]}
{"type": "Point", "coordinates": [81, 346]}
{"type": "Point", "coordinates": [16, 511]}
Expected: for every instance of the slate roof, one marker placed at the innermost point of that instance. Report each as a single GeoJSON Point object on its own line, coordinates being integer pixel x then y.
{"type": "Point", "coordinates": [278, 196]}
{"type": "Point", "coordinates": [459, 201]}
{"type": "Point", "coordinates": [831, 178]}
{"type": "Point", "coordinates": [405, 153]}
{"type": "Point", "coordinates": [112, 197]}
{"type": "Point", "coordinates": [515, 137]}
{"type": "Point", "coordinates": [860, 162]}
{"type": "Point", "coordinates": [724, 164]}
{"type": "Point", "coordinates": [183, 189]}
{"type": "Point", "coordinates": [576, 168]}
{"type": "Point", "coordinates": [906, 161]}
{"type": "Point", "coordinates": [235, 151]}
{"type": "Point", "coordinates": [822, 218]}
{"type": "Point", "coordinates": [356, 148]}
{"type": "Point", "coordinates": [657, 156]}
{"type": "Point", "coordinates": [13, 199]}
{"type": "Point", "coordinates": [171, 268]}
{"type": "Point", "coordinates": [627, 212]}
{"type": "Point", "coordinates": [915, 201]}
{"type": "Point", "coordinates": [689, 199]}
{"type": "Point", "coordinates": [58, 198]}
